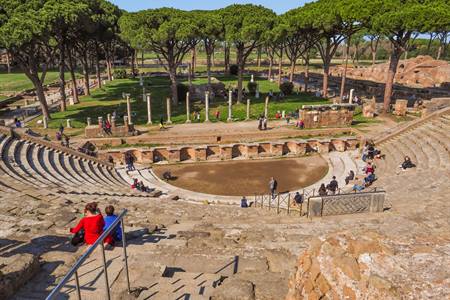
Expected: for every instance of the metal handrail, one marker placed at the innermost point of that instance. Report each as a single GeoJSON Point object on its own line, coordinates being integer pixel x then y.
{"type": "Point", "coordinates": [74, 269]}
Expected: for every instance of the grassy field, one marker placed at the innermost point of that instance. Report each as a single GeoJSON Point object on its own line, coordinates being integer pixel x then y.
{"type": "Point", "coordinates": [109, 99]}
{"type": "Point", "coordinates": [18, 81]}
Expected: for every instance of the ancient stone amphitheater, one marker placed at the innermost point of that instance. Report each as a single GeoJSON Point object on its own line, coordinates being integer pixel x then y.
{"type": "Point", "coordinates": [191, 250]}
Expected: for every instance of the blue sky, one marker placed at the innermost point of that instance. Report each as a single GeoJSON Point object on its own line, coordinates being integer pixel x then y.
{"type": "Point", "coordinates": [279, 6]}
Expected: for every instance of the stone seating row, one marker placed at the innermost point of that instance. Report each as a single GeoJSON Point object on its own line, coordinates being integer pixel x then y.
{"type": "Point", "coordinates": [428, 146]}
{"type": "Point", "coordinates": [33, 165]}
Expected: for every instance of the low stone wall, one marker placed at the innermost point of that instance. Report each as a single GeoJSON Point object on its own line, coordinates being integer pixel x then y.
{"type": "Point", "coordinates": [289, 148]}
{"type": "Point", "coordinates": [317, 118]}
{"type": "Point", "coordinates": [346, 204]}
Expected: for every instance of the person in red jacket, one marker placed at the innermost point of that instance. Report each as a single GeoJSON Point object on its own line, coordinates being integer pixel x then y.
{"type": "Point", "coordinates": [90, 226]}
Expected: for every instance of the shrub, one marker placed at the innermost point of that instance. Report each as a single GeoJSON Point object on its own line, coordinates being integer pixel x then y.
{"type": "Point", "coordinates": [252, 86]}
{"type": "Point", "coordinates": [182, 89]}
{"type": "Point", "coordinates": [234, 69]}
{"type": "Point", "coordinates": [287, 87]}
{"type": "Point", "coordinates": [120, 74]}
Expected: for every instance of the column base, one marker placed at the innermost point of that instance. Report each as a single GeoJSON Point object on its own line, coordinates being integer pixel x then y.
{"type": "Point", "coordinates": [150, 123]}
{"type": "Point", "coordinates": [207, 121]}
{"type": "Point", "coordinates": [188, 121]}
{"type": "Point", "coordinates": [169, 122]}
{"type": "Point", "coordinates": [229, 120]}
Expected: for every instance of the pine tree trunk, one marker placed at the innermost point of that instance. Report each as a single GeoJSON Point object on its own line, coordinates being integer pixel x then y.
{"type": "Point", "coordinates": [227, 58]}
{"type": "Point", "coordinates": [240, 58]}
{"type": "Point", "coordinates": [62, 81]}
{"type": "Point", "coordinates": [306, 73]}
{"type": "Point", "coordinates": [8, 62]}
{"type": "Point", "coordinates": [270, 67]}
{"type": "Point", "coordinates": [280, 67]}
{"type": "Point", "coordinates": [326, 74]}
{"type": "Point", "coordinates": [87, 89]}
{"type": "Point", "coordinates": [97, 66]}
{"type": "Point", "coordinates": [393, 64]}
{"type": "Point", "coordinates": [73, 77]}
{"type": "Point", "coordinates": [344, 75]}
{"type": "Point", "coordinates": [173, 85]}
{"type": "Point", "coordinates": [291, 74]}
{"type": "Point", "coordinates": [208, 68]}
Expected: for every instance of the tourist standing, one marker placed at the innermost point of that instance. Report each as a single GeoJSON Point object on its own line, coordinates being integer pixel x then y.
{"type": "Point", "coordinates": [333, 186]}
{"type": "Point", "coordinates": [273, 184]}
{"type": "Point", "coordinates": [323, 190]}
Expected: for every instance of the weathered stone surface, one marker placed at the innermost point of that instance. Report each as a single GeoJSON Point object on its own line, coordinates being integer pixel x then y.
{"type": "Point", "coordinates": [235, 289]}
{"type": "Point", "coordinates": [15, 271]}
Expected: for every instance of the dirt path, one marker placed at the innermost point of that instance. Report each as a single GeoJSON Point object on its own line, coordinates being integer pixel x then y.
{"type": "Point", "coordinates": [246, 177]}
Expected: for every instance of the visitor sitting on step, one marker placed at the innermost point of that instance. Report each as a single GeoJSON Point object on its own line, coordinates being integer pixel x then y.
{"type": "Point", "coordinates": [298, 198]}
{"type": "Point", "coordinates": [407, 163]}
{"type": "Point", "coordinates": [116, 234]}
{"type": "Point", "coordinates": [135, 183]}
{"type": "Point", "coordinates": [359, 187]}
{"type": "Point", "coordinates": [369, 179]}
{"type": "Point", "coordinates": [167, 176]}
{"type": "Point", "coordinates": [90, 227]}
{"type": "Point", "coordinates": [350, 177]}
{"type": "Point", "coordinates": [333, 186]}
{"type": "Point", "coordinates": [323, 190]}
{"type": "Point", "coordinates": [244, 203]}
{"type": "Point", "coordinates": [369, 168]}
{"type": "Point", "coordinates": [17, 123]}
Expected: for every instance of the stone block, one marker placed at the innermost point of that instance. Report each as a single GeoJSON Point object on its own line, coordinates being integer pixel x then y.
{"type": "Point", "coordinates": [323, 146]}
{"type": "Point", "coordinates": [252, 150]}
{"type": "Point", "coordinates": [401, 107]}
{"type": "Point", "coordinates": [301, 147]}
{"type": "Point", "coordinates": [174, 154]}
{"type": "Point", "coordinates": [338, 145]}
{"type": "Point", "coordinates": [226, 152]}
{"type": "Point", "coordinates": [200, 153]}
{"type": "Point", "coordinates": [147, 156]}
{"type": "Point", "coordinates": [276, 149]}
{"type": "Point", "coordinates": [351, 143]}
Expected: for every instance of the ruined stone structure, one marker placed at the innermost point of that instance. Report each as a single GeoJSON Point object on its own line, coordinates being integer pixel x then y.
{"type": "Point", "coordinates": [335, 115]}
{"type": "Point", "coordinates": [96, 131]}
{"type": "Point", "coordinates": [421, 72]}
{"type": "Point", "coordinates": [235, 151]}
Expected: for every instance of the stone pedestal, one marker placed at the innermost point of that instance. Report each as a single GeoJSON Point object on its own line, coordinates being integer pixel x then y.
{"type": "Point", "coordinates": [88, 121]}
{"type": "Point", "coordinates": [206, 106]}
{"type": "Point", "coordinates": [230, 103]}
{"type": "Point", "coordinates": [188, 109]}
{"type": "Point", "coordinates": [401, 107]}
{"type": "Point", "coordinates": [369, 109]}
{"type": "Point", "coordinates": [169, 110]}
{"type": "Point", "coordinates": [149, 109]}
{"type": "Point", "coordinates": [69, 123]}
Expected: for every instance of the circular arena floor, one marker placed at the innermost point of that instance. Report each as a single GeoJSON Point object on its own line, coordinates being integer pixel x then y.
{"type": "Point", "coordinates": [246, 177]}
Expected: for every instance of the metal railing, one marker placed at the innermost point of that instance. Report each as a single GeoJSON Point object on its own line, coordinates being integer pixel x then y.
{"type": "Point", "coordinates": [100, 241]}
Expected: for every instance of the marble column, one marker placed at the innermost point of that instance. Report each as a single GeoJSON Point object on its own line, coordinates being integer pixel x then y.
{"type": "Point", "coordinates": [144, 95]}
{"type": "Point", "coordinates": [188, 109]}
{"type": "Point", "coordinates": [248, 110]}
{"type": "Point", "coordinates": [100, 122]}
{"type": "Point", "coordinates": [108, 117]}
{"type": "Point", "coordinates": [88, 121]}
{"type": "Point", "coordinates": [149, 108]}
{"type": "Point", "coordinates": [230, 102]}
{"type": "Point", "coordinates": [128, 108]}
{"type": "Point", "coordinates": [266, 107]}
{"type": "Point", "coordinates": [69, 123]}
{"type": "Point", "coordinates": [206, 106]}
{"type": "Point", "coordinates": [45, 122]}
{"type": "Point", "coordinates": [169, 110]}
{"type": "Point", "coordinates": [350, 98]}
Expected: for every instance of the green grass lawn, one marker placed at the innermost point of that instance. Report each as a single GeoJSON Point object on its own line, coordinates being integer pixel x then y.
{"type": "Point", "coordinates": [18, 81]}
{"type": "Point", "coordinates": [109, 99]}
